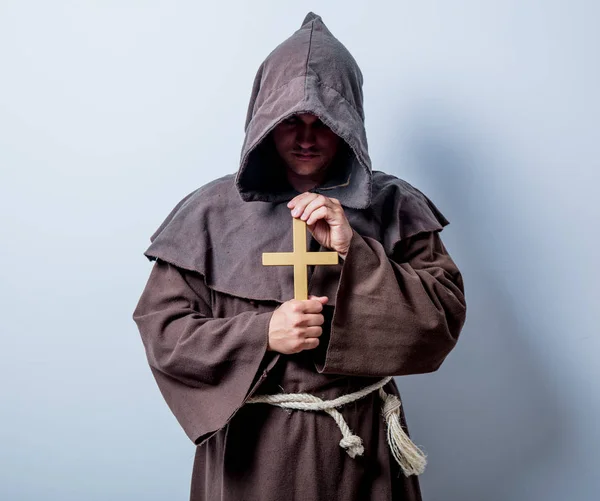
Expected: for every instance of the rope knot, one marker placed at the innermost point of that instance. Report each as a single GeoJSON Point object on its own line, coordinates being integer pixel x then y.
{"type": "Point", "coordinates": [353, 445]}
{"type": "Point", "coordinates": [391, 406]}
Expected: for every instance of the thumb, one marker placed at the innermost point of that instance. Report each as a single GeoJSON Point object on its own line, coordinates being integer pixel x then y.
{"type": "Point", "coordinates": [321, 299]}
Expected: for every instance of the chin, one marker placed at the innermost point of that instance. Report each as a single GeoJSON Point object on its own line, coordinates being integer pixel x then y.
{"type": "Point", "coordinates": [305, 168]}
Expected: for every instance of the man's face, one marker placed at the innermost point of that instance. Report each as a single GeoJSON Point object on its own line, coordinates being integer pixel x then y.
{"type": "Point", "coordinates": [305, 144]}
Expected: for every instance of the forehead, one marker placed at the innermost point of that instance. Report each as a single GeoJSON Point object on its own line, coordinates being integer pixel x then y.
{"type": "Point", "coordinates": [307, 118]}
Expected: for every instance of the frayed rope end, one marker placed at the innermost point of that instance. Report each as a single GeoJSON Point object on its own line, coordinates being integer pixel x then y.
{"type": "Point", "coordinates": [411, 459]}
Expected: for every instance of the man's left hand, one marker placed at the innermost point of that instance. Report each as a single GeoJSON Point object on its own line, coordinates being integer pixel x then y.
{"type": "Point", "coordinates": [325, 219]}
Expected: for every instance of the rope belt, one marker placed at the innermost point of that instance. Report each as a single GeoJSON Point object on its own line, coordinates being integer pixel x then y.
{"type": "Point", "coordinates": [411, 459]}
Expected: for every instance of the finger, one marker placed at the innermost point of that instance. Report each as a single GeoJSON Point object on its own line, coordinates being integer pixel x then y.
{"type": "Point", "coordinates": [301, 203]}
{"type": "Point", "coordinates": [320, 213]}
{"type": "Point", "coordinates": [295, 200]}
{"type": "Point", "coordinates": [312, 332]}
{"type": "Point", "coordinates": [311, 343]}
{"type": "Point", "coordinates": [312, 306]}
{"type": "Point", "coordinates": [292, 203]}
{"type": "Point", "coordinates": [313, 204]}
{"type": "Point", "coordinates": [321, 299]}
{"type": "Point", "coordinates": [313, 320]}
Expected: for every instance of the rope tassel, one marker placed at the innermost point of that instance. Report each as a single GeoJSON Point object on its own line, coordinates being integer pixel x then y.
{"type": "Point", "coordinates": [411, 459]}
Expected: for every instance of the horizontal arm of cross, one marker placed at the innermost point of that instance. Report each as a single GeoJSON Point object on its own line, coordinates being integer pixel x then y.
{"type": "Point", "coordinates": [299, 258]}
{"type": "Point", "coordinates": [278, 258]}
{"type": "Point", "coordinates": [321, 258]}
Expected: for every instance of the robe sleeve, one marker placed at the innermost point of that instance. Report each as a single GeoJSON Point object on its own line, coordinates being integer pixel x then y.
{"type": "Point", "coordinates": [205, 367]}
{"type": "Point", "coordinates": [394, 315]}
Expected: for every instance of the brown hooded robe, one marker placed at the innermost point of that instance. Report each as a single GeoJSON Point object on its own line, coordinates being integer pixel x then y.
{"type": "Point", "coordinates": [396, 303]}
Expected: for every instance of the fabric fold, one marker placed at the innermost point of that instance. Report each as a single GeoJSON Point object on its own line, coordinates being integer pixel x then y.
{"type": "Point", "coordinates": [205, 367]}
{"type": "Point", "coordinates": [405, 311]}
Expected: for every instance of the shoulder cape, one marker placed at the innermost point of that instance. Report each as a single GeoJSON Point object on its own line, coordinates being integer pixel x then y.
{"type": "Point", "coordinates": [213, 232]}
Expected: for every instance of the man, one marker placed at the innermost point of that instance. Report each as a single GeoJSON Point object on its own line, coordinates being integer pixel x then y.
{"type": "Point", "coordinates": [223, 336]}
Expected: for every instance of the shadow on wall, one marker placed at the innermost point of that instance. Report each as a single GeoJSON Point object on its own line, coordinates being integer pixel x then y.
{"type": "Point", "coordinates": [487, 417]}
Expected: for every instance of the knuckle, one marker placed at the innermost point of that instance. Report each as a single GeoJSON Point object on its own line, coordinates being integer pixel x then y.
{"type": "Point", "coordinates": [317, 307]}
{"type": "Point", "coordinates": [315, 332]}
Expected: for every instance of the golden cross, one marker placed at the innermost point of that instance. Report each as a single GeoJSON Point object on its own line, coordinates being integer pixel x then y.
{"type": "Point", "coordinates": [299, 258]}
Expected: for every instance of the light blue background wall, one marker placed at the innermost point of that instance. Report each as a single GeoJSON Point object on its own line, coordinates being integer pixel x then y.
{"type": "Point", "coordinates": [111, 111]}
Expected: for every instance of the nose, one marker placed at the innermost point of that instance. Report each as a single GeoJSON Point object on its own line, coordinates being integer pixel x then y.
{"type": "Point", "coordinates": [305, 135]}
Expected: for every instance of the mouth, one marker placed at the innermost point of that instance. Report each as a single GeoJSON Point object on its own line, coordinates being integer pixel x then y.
{"type": "Point", "coordinates": [301, 156]}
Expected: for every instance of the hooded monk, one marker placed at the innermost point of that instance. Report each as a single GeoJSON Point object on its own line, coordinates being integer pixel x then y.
{"type": "Point", "coordinates": [286, 397]}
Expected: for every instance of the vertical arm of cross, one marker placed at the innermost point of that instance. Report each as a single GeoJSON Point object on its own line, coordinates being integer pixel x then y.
{"type": "Point", "coordinates": [300, 266]}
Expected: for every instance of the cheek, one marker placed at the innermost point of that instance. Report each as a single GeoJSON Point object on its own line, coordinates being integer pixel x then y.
{"type": "Point", "coordinates": [328, 143]}
{"type": "Point", "coordinates": [282, 139]}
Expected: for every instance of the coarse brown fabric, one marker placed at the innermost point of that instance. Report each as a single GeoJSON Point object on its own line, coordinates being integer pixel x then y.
{"type": "Point", "coordinates": [396, 303]}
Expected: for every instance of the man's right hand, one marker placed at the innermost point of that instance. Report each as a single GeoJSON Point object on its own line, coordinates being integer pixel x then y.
{"type": "Point", "coordinates": [295, 326]}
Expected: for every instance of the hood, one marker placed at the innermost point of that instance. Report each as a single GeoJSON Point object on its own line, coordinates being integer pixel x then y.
{"type": "Point", "coordinates": [310, 72]}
